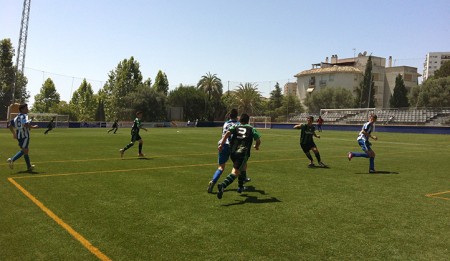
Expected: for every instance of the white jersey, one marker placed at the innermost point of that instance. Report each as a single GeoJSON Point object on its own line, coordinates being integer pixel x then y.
{"type": "Point", "coordinates": [368, 128]}
{"type": "Point", "coordinates": [19, 123]}
{"type": "Point", "coordinates": [226, 126]}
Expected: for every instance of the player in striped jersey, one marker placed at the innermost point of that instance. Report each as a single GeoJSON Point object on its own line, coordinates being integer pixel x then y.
{"type": "Point", "coordinates": [20, 128]}
{"type": "Point", "coordinates": [363, 140]}
{"type": "Point", "coordinates": [224, 154]}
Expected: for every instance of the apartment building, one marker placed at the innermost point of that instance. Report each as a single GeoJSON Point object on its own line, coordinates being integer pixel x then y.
{"type": "Point", "coordinates": [349, 72]}
{"type": "Point", "coordinates": [433, 62]}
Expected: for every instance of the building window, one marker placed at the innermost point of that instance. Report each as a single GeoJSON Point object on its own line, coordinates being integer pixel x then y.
{"type": "Point", "coordinates": [376, 76]}
{"type": "Point", "coordinates": [408, 77]}
{"type": "Point", "coordinates": [312, 81]}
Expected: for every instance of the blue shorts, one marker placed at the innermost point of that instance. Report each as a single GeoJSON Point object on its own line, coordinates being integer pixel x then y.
{"type": "Point", "coordinates": [224, 155]}
{"type": "Point", "coordinates": [24, 142]}
{"type": "Point", "coordinates": [365, 145]}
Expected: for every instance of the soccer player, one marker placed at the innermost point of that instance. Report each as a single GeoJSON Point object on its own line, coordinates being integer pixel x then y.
{"type": "Point", "coordinates": [319, 123]}
{"type": "Point", "coordinates": [135, 135]}
{"type": "Point", "coordinates": [242, 136]}
{"type": "Point", "coordinates": [115, 126]}
{"type": "Point", "coordinates": [363, 140]}
{"type": "Point", "coordinates": [49, 126]}
{"type": "Point", "coordinates": [20, 128]}
{"type": "Point", "coordinates": [224, 154]}
{"type": "Point", "coordinates": [308, 131]}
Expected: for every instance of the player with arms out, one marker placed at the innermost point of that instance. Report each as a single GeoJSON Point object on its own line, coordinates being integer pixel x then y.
{"type": "Point", "coordinates": [242, 137]}
{"type": "Point", "coordinates": [135, 135]}
{"type": "Point", "coordinates": [308, 131]}
{"type": "Point", "coordinates": [20, 128]}
{"type": "Point", "coordinates": [363, 140]}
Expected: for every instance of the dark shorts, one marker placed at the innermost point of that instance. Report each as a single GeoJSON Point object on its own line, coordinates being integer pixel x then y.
{"type": "Point", "coordinates": [238, 161]}
{"type": "Point", "coordinates": [307, 147]}
{"type": "Point", "coordinates": [135, 137]}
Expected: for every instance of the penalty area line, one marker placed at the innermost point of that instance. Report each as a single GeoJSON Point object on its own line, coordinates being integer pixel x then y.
{"type": "Point", "coordinates": [60, 222]}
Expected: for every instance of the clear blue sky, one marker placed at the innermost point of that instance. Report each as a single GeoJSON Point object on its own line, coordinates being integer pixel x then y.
{"type": "Point", "coordinates": [258, 41]}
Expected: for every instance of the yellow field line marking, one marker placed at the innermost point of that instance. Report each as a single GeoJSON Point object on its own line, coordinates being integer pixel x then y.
{"type": "Point", "coordinates": [436, 195]}
{"type": "Point", "coordinates": [138, 169]}
{"type": "Point", "coordinates": [60, 222]}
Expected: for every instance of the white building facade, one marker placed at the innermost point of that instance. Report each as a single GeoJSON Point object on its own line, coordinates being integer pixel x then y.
{"type": "Point", "coordinates": [349, 72]}
{"type": "Point", "coordinates": [433, 62]}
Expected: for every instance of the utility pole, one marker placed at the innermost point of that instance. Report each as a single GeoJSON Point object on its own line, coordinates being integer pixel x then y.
{"type": "Point", "coordinates": [21, 50]}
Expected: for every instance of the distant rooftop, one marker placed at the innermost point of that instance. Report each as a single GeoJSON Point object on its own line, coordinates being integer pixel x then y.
{"type": "Point", "coordinates": [333, 69]}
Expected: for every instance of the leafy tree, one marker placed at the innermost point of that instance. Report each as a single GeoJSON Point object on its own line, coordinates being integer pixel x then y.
{"type": "Point", "coordinates": [123, 81]}
{"type": "Point", "coordinates": [191, 99]}
{"type": "Point", "coordinates": [330, 98]}
{"type": "Point", "coordinates": [47, 98]}
{"type": "Point", "coordinates": [399, 99]}
{"type": "Point", "coordinates": [365, 93]}
{"type": "Point", "coordinates": [432, 93]}
{"type": "Point", "coordinates": [247, 98]}
{"type": "Point", "coordinates": [444, 71]}
{"type": "Point", "coordinates": [7, 82]}
{"type": "Point", "coordinates": [63, 108]}
{"type": "Point", "coordinates": [213, 87]}
{"type": "Point", "coordinates": [161, 83]}
{"type": "Point", "coordinates": [290, 104]}
{"type": "Point", "coordinates": [276, 98]}
{"type": "Point", "coordinates": [84, 102]}
{"type": "Point", "coordinates": [148, 100]}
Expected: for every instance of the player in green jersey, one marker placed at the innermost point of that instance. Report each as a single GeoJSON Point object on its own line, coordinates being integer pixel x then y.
{"type": "Point", "coordinates": [242, 137]}
{"type": "Point", "coordinates": [308, 131]}
{"type": "Point", "coordinates": [135, 135]}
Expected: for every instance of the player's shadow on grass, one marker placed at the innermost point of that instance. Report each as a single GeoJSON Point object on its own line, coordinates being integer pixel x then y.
{"type": "Point", "coordinates": [252, 199]}
{"type": "Point", "coordinates": [137, 158]}
{"type": "Point", "coordinates": [34, 172]}
{"type": "Point", "coordinates": [380, 172]}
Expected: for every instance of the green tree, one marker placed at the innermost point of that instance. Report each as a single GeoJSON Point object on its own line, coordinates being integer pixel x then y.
{"type": "Point", "coordinates": [47, 99]}
{"type": "Point", "coordinates": [432, 93]}
{"type": "Point", "coordinates": [247, 98]}
{"type": "Point", "coordinates": [191, 99]}
{"type": "Point", "coordinates": [148, 100]}
{"type": "Point", "coordinates": [84, 102]}
{"type": "Point", "coordinates": [7, 83]}
{"type": "Point", "coordinates": [63, 108]}
{"type": "Point", "coordinates": [330, 98]}
{"type": "Point", "coordinates": [365, 93]}
{"type": "Point", "coordinates": [290, 104]}
{"type": "Point", "coordinates": [276, 98]}
{"type": "Point", "coordinates": [213, 87]}
{"type": "Point", "coordinates": [123, 81]}
{"type": "Point", "coordinates": [161, 83]}
{"type": "Point", "coordinates": [443, 72]}
{"type": "Point", "coordinates": [399, 99]}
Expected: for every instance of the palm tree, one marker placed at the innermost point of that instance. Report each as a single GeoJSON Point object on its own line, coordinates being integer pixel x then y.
{"type": "Point", "coordinates": [212, 86]}
{"type": "Point", "coordinates": [248, 98]}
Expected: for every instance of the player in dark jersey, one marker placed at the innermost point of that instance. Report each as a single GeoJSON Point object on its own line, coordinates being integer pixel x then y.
{"type": "Point", "coordinates": [50, 126]}
{"type": "Point", "coordinates": [242, 137]}
{"type": "Point", "coordinates": [363, 140]}
{"type": "Point", "coordinates": [135, 135]}
{"type": "Point", "coordinates": [115, 126]}
{"type": "Point", "coordinates": [308, 131]}
{"type": "Point", "coordinates": [20, 128]}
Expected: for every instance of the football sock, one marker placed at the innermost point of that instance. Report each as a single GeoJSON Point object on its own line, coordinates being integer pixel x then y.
{"type": "Point", "coordinates": [317, 156]}
{"type": "Point", "coordinates": [241, 179]}
{"type": "Point", "coordinates": [360, 154]}
{"type": "Point", "coordinates": [27, 160]}
{"type": "Point", "coordinates": [128, 146]}
{"type": "Point", "coordinates": [217, 175]}
{"type": "Point", "coordinates": [372, 163]}
{"type": "Point", "coordinates": [230, 178]}
{"type": "Point", "coordinates": [308, 155]}
{"type": "Point", "coordinates": [140, 148]}
{"type": "Point", "coordinates": [17, 156]}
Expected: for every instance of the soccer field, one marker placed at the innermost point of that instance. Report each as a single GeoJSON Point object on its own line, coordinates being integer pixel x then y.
{"type": "Point", "coordinates": [84, 202]}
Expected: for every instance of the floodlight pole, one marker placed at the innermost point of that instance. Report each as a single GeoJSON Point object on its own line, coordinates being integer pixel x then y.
{"type": "Point", "coordinates": [21, 50]}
